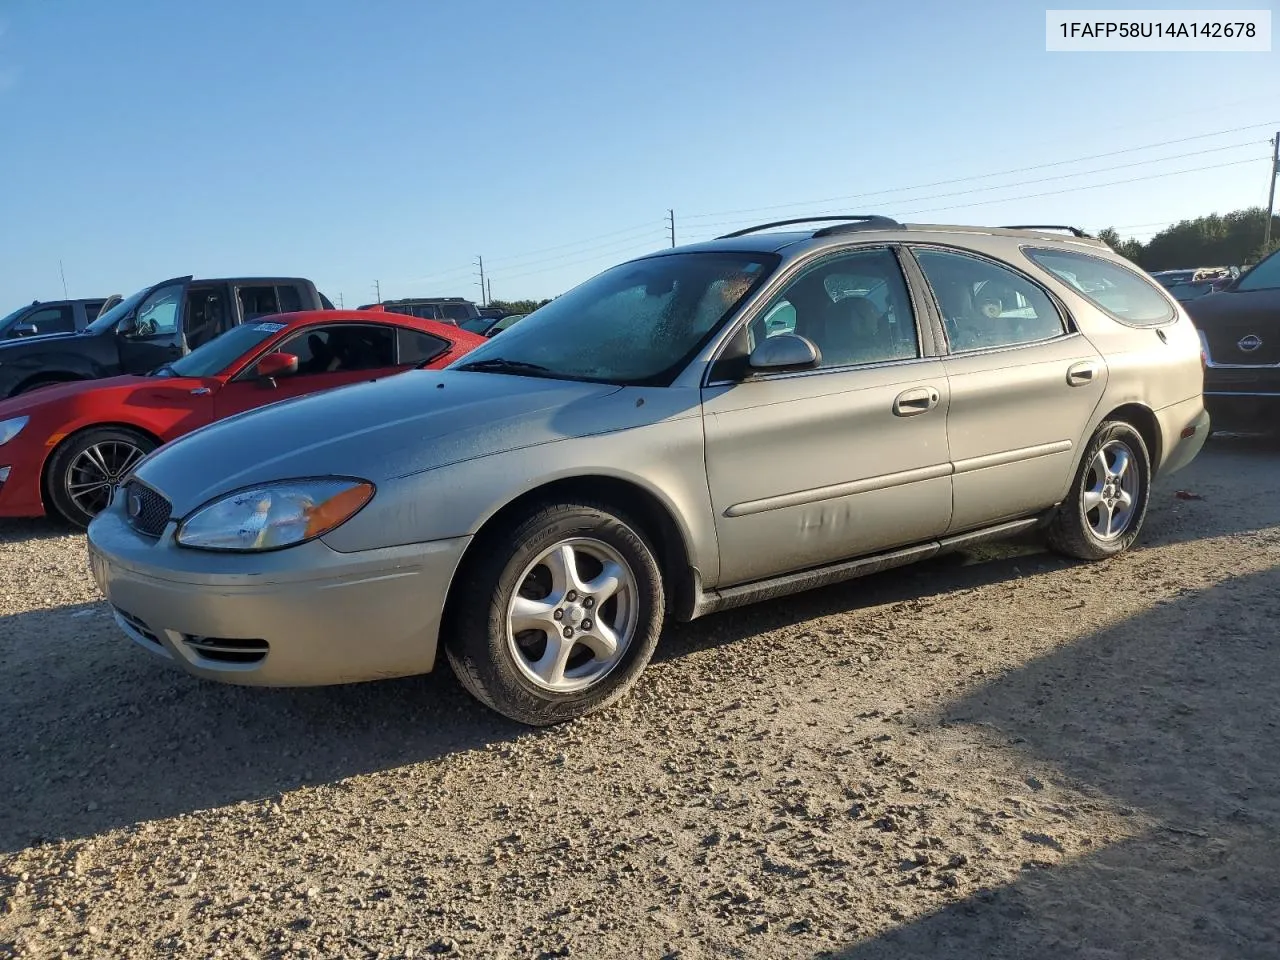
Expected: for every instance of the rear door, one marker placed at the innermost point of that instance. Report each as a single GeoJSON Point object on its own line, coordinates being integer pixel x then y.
{"type": "Point", "coordinates": [329, 355]}
{"type": "Point", "coordinates": [151, 335]}
{"type": "Point", "coordinates": [1024, 384]}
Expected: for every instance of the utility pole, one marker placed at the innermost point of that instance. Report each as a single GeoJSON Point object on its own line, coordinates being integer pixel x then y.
{"type": "Point", "coordinates": [341, 305]}
{"type": "Point", "coordinates": [65, 296]}
{"type": "Point", "coordinates": [671, 215]}
{"type": "Point", "coordinates": [1271, 190]}
{"type": "Point", "coordinates": [377, 290]}
{"type": "Point", "coordinates": [480, 260]}
{"type": "Point", "coordinates": [488, 293]}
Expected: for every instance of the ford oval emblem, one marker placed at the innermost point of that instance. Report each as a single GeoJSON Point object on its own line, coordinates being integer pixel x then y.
{"type": "Point", "coordinates": [135, 505]}
{"type": "Point", "coordinates": [1250, 343]}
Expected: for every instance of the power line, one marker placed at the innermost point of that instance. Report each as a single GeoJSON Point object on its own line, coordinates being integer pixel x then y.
{"type": "Point", "coordinates": [648, 248]}
{"type": "Point", "coordinates": [980, 176]}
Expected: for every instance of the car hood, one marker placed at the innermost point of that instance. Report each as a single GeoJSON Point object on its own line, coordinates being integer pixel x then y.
{"type": "Point", "coordinates": [1234, 306]}
{"type": "Point", "coordinates": [404, 424]}
{"type": "Point", "coordinates": [39, 340]}
{"type": "Point", "coordinates": [27, 403]}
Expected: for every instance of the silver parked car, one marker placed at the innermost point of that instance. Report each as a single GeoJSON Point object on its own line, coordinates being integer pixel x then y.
{"type": "Point", "coordinates": [693, 430]}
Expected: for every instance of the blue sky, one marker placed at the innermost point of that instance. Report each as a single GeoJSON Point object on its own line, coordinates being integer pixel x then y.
{"type": "Point", "coordinates": [396, 141]}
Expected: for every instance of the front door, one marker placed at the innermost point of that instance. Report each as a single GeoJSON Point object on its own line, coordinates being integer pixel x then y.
{"type": "Point", "coordinates": [152, 335]}
{"type": "Point", "coordinates": [329, 356]}
{"type": "Point", "coordinates": [847, 459]}
{"type": "Point", "coordinates": [1024, 385]}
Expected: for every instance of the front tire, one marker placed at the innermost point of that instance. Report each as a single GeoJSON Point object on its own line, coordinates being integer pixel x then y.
{"type": "Point", "coordinates": [1103, 514]}
{"type": "Point", "coordinates": [84, 471]}
{"type": "Point", "coordinates": [556, 616]}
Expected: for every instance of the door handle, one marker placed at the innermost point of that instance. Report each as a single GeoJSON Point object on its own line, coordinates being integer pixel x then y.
{"type": "Point", "coordinates": [1078, 374]}
{"type": "Point", "coordinates": [912, 403]}
{"type": "Point", "coordinates": [200, 391]}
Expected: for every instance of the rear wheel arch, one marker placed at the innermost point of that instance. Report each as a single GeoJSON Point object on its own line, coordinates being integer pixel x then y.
{"type": "Point", "coordinates": [1142, 419]}
{"type": "Point", "coordinates": [656, 521]}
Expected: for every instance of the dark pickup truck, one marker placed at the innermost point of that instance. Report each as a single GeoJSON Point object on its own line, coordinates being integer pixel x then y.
{"type": "Point", "coordinates": [154, 326]}
{"type": "Point", "coordinates": [54, 316]}
{"type": "Point", "coordinates": [1240, 334]}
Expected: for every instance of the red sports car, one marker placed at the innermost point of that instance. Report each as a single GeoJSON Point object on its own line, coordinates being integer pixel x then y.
{"type": "Point", "coordinates": [63, 448]}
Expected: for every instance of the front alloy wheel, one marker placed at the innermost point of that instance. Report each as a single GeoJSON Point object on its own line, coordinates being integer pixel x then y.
{"type": "Point", "coordinates": [556, 615]}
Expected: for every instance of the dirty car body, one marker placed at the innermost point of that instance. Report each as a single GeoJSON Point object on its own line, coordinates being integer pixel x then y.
{"type": "Point", "coordinates": [696, 429]}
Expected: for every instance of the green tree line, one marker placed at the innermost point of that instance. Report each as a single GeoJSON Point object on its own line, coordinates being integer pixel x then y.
{"type": "Point", "coordinates": [517, 306]}
{"type": "Point", "coordinates": [1226, 240]}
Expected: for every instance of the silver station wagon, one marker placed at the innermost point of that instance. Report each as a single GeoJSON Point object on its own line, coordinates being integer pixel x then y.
{"type": "Point", "coordinates": [781, 408]}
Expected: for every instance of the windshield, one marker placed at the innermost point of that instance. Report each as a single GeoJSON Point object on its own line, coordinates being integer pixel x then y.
{"type": "Point", "coordinates": [1264, 276]}
{"type": "Point", "coordinates": [212, 358]}
{"type": "Point", "coordinates": [638, 323]}
{"type": "Point", "coordinates": [113, 316]}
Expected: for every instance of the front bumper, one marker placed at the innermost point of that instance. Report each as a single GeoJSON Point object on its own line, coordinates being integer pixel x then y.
{"type": "Point", "coordinates": [304, 616]}
{"type": "Point", "coordinates": [19, 486]}
{"type": "Point", "coordinates": [1242, 397]}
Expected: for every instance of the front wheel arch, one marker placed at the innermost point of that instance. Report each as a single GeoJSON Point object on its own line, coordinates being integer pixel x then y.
{"type": "Point", "coordinates": [46, 497]}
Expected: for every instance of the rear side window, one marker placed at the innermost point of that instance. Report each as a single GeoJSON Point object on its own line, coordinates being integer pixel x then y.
{"type": "Point", "coordinates": [418, 348]}
{"type": "Point", "coordinates": [1116, 290]}
{"type": "Point", "coordinates": [290, 300]}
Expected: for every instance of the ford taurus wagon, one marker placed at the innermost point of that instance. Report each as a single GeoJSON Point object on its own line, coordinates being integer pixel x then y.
{"type": "Point", "coordinates": [781, 408]}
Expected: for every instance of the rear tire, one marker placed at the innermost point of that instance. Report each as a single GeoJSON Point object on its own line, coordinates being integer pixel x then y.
{"type": "Point", "coordinates": [84, 470]}
{"type": "Point", "coordinates": [1103, 514]}
{"type": "Point", "coordinates": [557, 615]}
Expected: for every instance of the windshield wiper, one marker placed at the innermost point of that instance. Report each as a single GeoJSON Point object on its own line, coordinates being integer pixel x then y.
{"type": "Point", "coordinates": [503, 365]}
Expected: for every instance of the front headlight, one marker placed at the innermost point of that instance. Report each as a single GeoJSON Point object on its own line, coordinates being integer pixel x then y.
{"type": "Point", "coordinates": [11, 428]}
{"type": "Point", "coordinates": [275, 515]}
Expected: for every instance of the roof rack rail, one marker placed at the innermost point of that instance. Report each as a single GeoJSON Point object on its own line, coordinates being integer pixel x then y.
{"type": "Point", "coordinates": [868, 220]}
{"type": "Point", "coordinates": [1074, 231]}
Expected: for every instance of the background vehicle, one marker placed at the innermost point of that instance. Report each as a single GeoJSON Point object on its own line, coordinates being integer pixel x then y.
{"type": "Point", "coordinates": [75, 441]}
{"type": "Point", "coordinates": [1240, 332]}
{"type": "Point", "coordinates": [492, 326]}
{"type": "Point", "coordinates": [54, 316]}
{"type": "Point", "coordinates": [157, 324]}
{"type": "Point", "coordinates": [447, 309]}
{"type": "Point", "coordinates": [645, 446]}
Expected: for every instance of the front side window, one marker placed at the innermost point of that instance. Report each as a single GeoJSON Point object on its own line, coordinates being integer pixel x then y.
{"type": "Point", "coordinates": [342, 348]}
{"type": "Point", "coordinates": [855, 308]}
{"type": "Point", "coordinates": [1109, 286]}
{"type": "Point", "coordinates": [49, 320]}
{"type": "Point", "coordinates": [206, 316]}
{"type": "Point", "coordinates": [158, 313]}
{"type": "Point", "coordinates": [984, 305]}
{"type": "Point", "coordinates": [1265, 275]}
{"type": "Point", "coordinates": [458, 311]}
{"type": "Point", "coordinates": [637, 323]}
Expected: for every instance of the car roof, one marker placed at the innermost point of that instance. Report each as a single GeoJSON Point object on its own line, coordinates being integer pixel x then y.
{"type": "Point", "coordinates": [770, 239]}
{"type": "Point", "coordinates": [310, 318]}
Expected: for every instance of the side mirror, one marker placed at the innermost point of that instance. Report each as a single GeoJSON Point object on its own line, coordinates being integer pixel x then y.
{"type": "Point", "coordinates": [277, 365]}
{"type": "Point", "coordinates": [24, 330]}
{"type": "Point", "coordinates": [784, 351]}
{"type": "Point", "coordinates": [128, 326]}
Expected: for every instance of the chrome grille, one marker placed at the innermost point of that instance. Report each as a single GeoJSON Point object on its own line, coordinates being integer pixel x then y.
{"type": "Point", "coordinates": [1225, 344]}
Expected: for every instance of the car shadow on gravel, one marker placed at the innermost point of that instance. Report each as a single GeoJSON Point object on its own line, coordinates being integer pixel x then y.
{"type": "Point", "coordinates": [97, 734]}
{"type": "Point", "coordinates": [27, 531]}
{"type": "Point", "coordinates": [1174, 715]}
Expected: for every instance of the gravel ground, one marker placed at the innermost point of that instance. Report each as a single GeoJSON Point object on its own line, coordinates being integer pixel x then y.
{"type": "Point", "coordinates": [994, 755]}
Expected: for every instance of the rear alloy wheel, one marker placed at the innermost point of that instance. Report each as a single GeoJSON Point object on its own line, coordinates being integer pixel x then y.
{"type": "Point", "coordinates": [87, 468]}
{"type": "Point", "coordinates": [1108, 502]}
{"type": "Point", "coordinates": [558, 617]}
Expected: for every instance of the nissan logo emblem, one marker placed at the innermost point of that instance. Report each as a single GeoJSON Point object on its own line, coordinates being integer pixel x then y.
{"type": "Point", "coordinates": [135, 504]}
{"type": "Point", "coordinates": [1250, 343]}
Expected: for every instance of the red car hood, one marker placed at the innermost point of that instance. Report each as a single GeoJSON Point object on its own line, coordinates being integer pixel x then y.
{"type": "Point", "coordinates": [28, 403]}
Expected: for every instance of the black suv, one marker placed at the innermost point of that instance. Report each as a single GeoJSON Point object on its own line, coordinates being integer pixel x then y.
{"type": "Point", "coordinates": [445, 309]}
{"type": "Point", "coordinates": [153, 327]}
{"type": "Point", "coordinates": [54, 316]}
{"type": "Point", "coordinates": [1240, 333]}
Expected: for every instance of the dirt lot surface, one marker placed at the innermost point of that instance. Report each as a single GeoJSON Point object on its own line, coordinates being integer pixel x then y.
{"type": "Point", "coordinates": [998, 755]}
